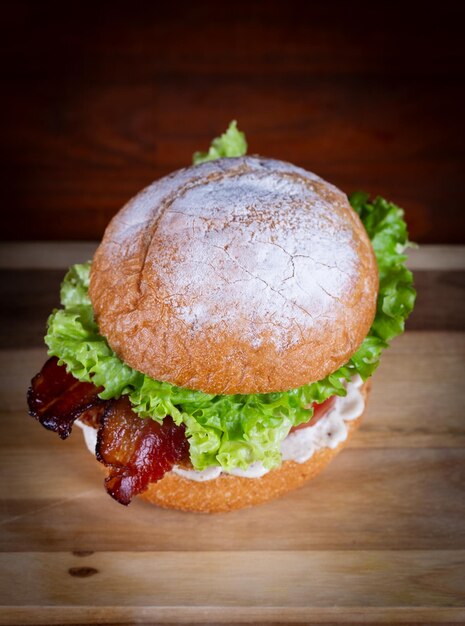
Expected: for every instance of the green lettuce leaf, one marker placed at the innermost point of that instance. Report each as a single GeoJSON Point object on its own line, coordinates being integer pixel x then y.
{"type": "Point", "coordinates": [232, 143]}
{"type": "Point", "coordinates": [235, 430]}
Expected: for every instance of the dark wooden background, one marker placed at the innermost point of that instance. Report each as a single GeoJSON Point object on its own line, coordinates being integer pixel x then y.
{"type": "Point", "coordinates": [97, 102]}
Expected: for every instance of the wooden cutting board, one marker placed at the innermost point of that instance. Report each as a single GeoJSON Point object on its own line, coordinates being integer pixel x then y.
{"type": "Point", "coordinates": [379, 537]}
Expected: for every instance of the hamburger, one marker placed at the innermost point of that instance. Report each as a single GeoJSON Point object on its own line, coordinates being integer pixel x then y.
{"type": "Point", "coordinates": [217, 351]}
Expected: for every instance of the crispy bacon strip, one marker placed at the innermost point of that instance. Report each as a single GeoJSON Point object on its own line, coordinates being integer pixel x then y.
{"type": "Point", "coordinates": [137, 451]}
{"type": "Point", "coordinates": [57, 399]}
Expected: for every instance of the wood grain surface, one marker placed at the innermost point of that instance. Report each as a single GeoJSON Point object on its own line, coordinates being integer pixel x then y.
{"type": "Point", "coordinates": [378, 538]}
{"type": "Point", "coordinates": [99, 100]}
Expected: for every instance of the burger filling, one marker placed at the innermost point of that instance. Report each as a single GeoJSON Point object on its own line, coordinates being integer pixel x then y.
{"type": "Point", "coordinates": [146, 428]}
{"type": "Point", "coordinates": [330, 420]}
{"type": "Point", "coordinates": [139, 451]}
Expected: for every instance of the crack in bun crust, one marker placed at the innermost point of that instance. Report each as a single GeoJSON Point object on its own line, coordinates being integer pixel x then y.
{"type": "Point", "coordinates": [241, 275]}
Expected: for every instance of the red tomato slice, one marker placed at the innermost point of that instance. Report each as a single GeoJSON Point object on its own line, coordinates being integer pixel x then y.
{"type": "Point", "coordinates": [319, 411]}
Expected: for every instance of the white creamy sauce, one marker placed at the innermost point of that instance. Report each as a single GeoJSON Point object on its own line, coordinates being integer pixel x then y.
{"type": "Point", "coordinates": [207, 474]}
{"type": "Point", "coordinates": [299, 446]}
{"type": "Point", "coordinates": [90, 435]}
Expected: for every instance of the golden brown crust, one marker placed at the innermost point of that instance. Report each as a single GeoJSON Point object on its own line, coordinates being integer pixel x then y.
{"type": "Point", "coordinates": [244, 275]}
{"type": "Point", "coordinates": [228, 493]}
